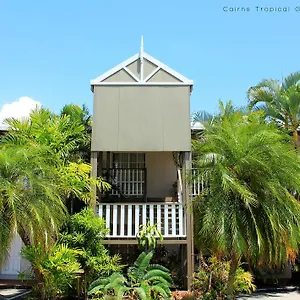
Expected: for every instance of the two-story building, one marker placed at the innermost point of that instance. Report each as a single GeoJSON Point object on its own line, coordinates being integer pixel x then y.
{"type": "Point", "coordinates": [141, 144]}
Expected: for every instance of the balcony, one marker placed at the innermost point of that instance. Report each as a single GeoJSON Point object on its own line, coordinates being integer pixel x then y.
{"type": "Point", "coordinates": [124, 219]}
{"type": "Point", "coordinates": [128, 204]}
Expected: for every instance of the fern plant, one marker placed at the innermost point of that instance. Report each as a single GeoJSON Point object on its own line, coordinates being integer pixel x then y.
{"type": "Point", "coordinates": [144, 281]}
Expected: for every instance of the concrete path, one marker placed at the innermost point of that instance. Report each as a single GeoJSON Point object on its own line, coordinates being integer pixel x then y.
{"type": "Point", "coordinates": [10, 294]}
{"type": "Point", "coordinates": [284, 295]}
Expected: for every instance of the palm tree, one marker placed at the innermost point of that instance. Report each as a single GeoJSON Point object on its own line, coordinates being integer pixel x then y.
{"type": "Point", "coordinates": [66, 137]}
{"type": "Point", "coordinates": [62, 134]}
{"type": "Point", "coordinates": [202, 116]}
{"type": "Point", "coordinates": [81, 116]}
{"type": "Point", "coordinates": [279, 100]}
{"type": "Point", "coordinates": [30, 200]}
{"type": "Point", "coordinates": [38, 173]}
{"type": "Point", "coordinates": [245, 208]}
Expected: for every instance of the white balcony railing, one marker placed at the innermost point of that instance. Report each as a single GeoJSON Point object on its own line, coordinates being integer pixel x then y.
{"type": "Point", "coordinates": [197, 184]}
{"type": "Point", "coordinates": [124, 219]}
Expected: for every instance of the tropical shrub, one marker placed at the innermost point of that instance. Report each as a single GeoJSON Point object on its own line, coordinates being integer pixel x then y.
{"type": "Point", "coordinates": [148, 236]}
{"type": "Point", "coordinates": [85, 231]}
{"type": "Point", "coordinates": [58, 267]}
{"type": "Point", "coordinates": [143, 281]}
{"type": "Point", "coordinates": [211, 281]}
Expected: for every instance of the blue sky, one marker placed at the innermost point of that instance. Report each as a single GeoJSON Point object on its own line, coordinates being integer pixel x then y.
{"type": "Point", "coordinates": [49, 50]}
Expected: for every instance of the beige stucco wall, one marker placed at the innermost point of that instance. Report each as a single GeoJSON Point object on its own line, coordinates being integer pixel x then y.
{"type": "Point", "coordinates": [161, 174]}
{"type": "Point", "coordinates": [141, 118]}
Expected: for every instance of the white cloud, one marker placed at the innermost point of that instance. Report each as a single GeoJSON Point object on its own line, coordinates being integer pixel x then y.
{"type": "Point", "coordinates": [18, 109]}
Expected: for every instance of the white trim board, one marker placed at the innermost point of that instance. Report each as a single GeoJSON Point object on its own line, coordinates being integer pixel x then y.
{"type": "Point", "coordinates": [143, 81]}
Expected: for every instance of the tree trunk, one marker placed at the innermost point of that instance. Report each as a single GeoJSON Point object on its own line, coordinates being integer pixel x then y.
{"type": "Point", "coordinates": [202, 262]}
{"type": "Point", "coordinates": [295, 135]}
{"type": "Point", "coordinates": [232, 271]}
{"type": "Point", "coordinates": [37, 274]}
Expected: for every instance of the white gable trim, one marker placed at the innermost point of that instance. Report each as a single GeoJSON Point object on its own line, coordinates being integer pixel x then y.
{"type": "Point", "coordinates": [167, 69]}
{"type": "Point", "coordinates": [115, 69]}
{"type": "Point", "coordinates": [131, 74]}
{"type": "Point", "coordinates": [143, 81]}
{"type": "Point", "coordinates": [152, 74]}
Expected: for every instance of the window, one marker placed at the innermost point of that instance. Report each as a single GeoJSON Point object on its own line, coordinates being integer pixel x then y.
{"type": "Point", "coordinates": [128, 174]}
{"type": "Point", "coordinates": [129, 160]}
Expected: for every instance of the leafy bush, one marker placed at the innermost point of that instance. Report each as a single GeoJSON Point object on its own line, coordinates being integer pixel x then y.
{"type": "Point", "coordinates": [57, 268]}
{"type": "Point", "coordinates": [143, 281]}
{"type": "Point", "coordinates": [85, 231]}
{"type": "Point", "coordinates": [210, 282]}
{"type": "Point", "coordinates": [148, 236]}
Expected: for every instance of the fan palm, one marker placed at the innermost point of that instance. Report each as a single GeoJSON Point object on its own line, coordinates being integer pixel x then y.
{"type": "Point", "coordinates": [279, 100]}
{"type": "Point", "coordinates": [246, 208]}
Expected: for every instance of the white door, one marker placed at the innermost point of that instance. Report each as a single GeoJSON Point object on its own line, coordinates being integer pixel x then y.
{"type": "Point", "coordinates": [12, 264]}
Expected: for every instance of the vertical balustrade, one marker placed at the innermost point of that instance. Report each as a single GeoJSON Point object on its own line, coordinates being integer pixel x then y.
{"type": "Point", "coordinates": [124, 220]}
{"type": "Point", "coordinates": [197, 183]}
{"type": "Point", "coordinates": [166, 220]}
{"type": "Point", "coordinates": [129, 221]}
{"type": "Point", "coordinates": [173, 220]}
{"type": "Point", "coordinates": [115, 219]}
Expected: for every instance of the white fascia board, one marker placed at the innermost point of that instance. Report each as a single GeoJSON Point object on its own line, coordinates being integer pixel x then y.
{"type": "Point", "coordinates": [144, 83]}
{"type": "Point", "coordinates": [115, 69]}
{"type": "Point", "coordinates": [168, 69]}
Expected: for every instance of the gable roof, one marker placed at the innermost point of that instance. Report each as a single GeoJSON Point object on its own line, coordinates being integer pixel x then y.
{"type": "Point", "coordinates": [147, 71]}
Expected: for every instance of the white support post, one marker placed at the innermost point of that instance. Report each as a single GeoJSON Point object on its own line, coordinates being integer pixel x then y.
{"type": "Point", "coordinates": [174, 220]}
{"type": "Point", "coordinates": [158, 217]}
{"type": "Point", "coordinates": [137, 219]}
{"type": "Point", "coordinates": [144, 211]}
{"type": "Point", "coordinates": [151, 216]}
{"type": "Point", "coordinates": [180, 220]}
{"type": "Point", "coordinates": [100, 210]}
{"type": "Point", "coordinates": [129, 221]}
{"type": "Point", "coordinates": [166, 220]}
{"type": "Point", "coordinates": [122, 221]}
{"type": "Point", "coordinates": [115, 219]}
